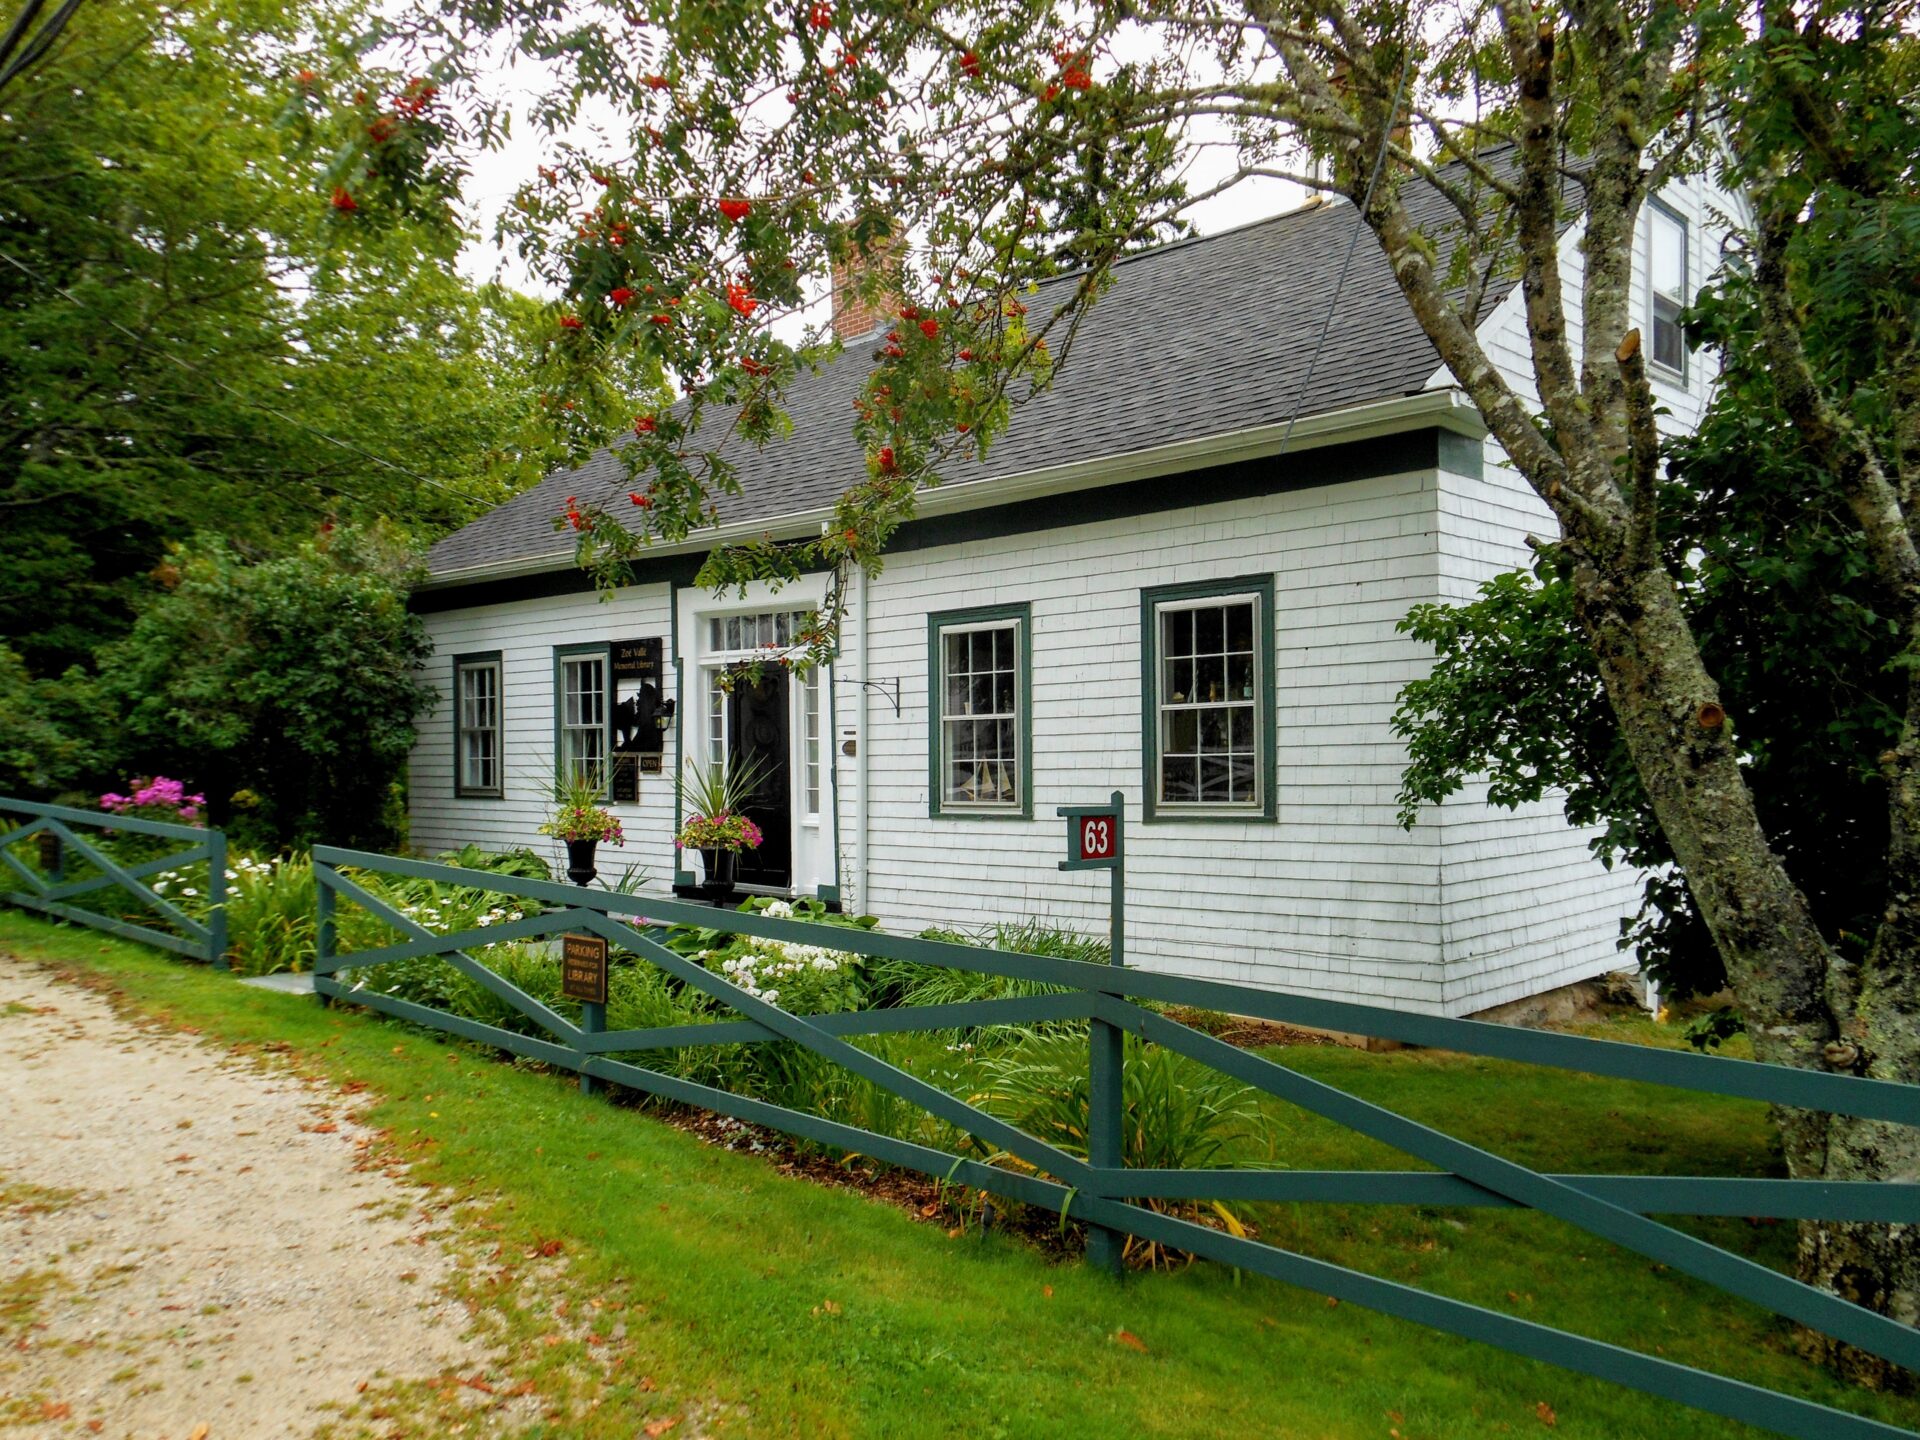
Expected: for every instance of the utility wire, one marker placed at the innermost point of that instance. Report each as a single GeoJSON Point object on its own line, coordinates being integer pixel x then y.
{"type": "Point", "coordinates": [237, 394]}
{"type": "Point", "coordinates": [1353, 241]}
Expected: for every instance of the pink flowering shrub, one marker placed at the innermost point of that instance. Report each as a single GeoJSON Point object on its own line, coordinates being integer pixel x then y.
{"type": "Point", "coordinates": [157, 798]}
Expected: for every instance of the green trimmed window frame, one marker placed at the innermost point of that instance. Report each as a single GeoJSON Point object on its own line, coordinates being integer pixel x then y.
{"type": "Point", "coordinates": [967, 731]}
{"type": "Point", "coordinates": [479, 726]}
{"type": "Point", "coordinates": [1206, 705]}
{"type": "Point", "coordinates": [583, 711]}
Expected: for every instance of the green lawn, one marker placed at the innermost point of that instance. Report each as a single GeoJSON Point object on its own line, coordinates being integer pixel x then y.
{"type": "Point", "coordinates": [752, 1303]}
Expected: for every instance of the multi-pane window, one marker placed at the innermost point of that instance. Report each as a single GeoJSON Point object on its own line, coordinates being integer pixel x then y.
{"type": "Point", "coordinates": [476, 721]}
{"type": "Point", "coordinates": [810, 738]}
{"type": "Point", "coordinates": [1666, 287]}
{"type": "Point", "coordinates": [1208, 696]}
{"type": "Point", "coordinates": [767, 630]}
{"type": "Point", "coordinates": [583, 717]}
{"type": "Point", "coordinates": [979, 711]}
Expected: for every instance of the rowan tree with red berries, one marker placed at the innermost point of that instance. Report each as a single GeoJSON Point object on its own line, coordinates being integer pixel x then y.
{"type": "Point", "coordinates": [963, 153]}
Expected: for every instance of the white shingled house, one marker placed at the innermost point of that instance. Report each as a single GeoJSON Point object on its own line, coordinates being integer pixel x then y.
{"type": "Point", "coordinates": [1138, 591]}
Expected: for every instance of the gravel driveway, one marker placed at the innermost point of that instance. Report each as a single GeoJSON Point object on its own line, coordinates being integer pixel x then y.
{"type": "Point", "coordinates": [190, 1246]}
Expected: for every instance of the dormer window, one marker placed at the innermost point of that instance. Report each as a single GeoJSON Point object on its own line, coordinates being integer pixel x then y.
{"type": "Point", "coordinates": [1666, 288]}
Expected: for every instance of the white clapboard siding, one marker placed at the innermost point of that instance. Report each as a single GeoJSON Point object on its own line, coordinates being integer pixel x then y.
{"type": "Point", "coordinates": [1525, 905]}
{"type": "Point", "coordinates": [1334, 898]}
{"type": "Point", "coordinates": [526, 632]}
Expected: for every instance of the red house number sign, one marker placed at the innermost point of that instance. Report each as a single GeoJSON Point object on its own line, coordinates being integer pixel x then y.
{"type": "Point", "coordinates": [1098, 840]}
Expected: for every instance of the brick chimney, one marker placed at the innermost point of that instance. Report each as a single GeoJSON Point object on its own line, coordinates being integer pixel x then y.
{"type": "Point", "coordinates": [856, 316]}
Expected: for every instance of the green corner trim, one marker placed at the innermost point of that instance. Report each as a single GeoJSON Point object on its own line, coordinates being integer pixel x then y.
{"type": "Point", "coordinates": [461, 790]}
{"type": "Point", "coordinates": [979, 615]}
{"type": "Point", "coordinates": [1264, 693]}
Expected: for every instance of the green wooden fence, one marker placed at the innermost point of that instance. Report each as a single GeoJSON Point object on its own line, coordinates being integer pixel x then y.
{"type": "Point", "coordinates": [1609, 1206]}
{"type": "Point", "coordinates": [47, 888]}
{"type": "Point", "coordinates": [1613, 1207]}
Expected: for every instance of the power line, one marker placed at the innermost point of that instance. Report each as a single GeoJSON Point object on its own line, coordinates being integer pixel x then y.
{"type": "Point", "coordinates": [1353, 241]}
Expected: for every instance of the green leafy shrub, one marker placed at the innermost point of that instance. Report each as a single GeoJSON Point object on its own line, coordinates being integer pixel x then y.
{"type": "Point", "coordinates": [1176, 1114]}
{"type": "Point", "coordinates": [295, 678]}
{"type": "Point", "coordinates": [270, 920]}
{"type": "Point", "coordinates": [522, 863]}
{"type": "Point", "coordinates": [902, 982]}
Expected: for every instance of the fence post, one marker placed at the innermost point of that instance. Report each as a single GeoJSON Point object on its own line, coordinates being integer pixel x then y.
{"type": "Point", "coordinates": [1106, 1098]}
{"type": "Point", "coordinates": [217, 898]}
{"type": "Point", "coordinates": [53, 855]}
{"type": "Point", "coordinates": [322, 925]}
{"type": "Point", "coordinates": [593, 1019]}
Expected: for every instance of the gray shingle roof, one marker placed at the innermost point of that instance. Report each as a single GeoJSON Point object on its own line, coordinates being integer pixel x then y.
{"type": "Point", "coordinates": [1200, 337]}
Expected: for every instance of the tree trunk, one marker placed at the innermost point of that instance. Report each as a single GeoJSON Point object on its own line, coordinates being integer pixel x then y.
{"type": "Point", "coordinates": [1804, 1004]}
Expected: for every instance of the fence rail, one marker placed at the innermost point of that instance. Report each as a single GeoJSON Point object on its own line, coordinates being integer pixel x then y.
{"type": "Point", "coordinates": [1612, 1207]}
{"type": "Point", "coordinates": [49, 892]}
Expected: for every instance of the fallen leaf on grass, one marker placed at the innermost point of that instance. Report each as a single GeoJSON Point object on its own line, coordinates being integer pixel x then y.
{"type": "Point", "coordinates": [55, 1410]}
{"type": "Point", "coordinates": [199, 1432]}
{"type": "Point", "coordinates": [656, 1428]}
{"type": "Point", "coordinates": [1047, 1290]}
{"type": "Point", "coordinates": [1133, 1341]}
{"type": "Point", "coordinates": [646, 1383]}
{"type": "Point", "coordinates": [478, 1383]}
{"type": "Point", "coordinates": [548, 1248]}
{"type": "Point", "coordinates": [1547, 1417]}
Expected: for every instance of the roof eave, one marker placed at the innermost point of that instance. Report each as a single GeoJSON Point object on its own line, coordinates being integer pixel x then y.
{"type": "Point", "coordinates": [1446, 408]}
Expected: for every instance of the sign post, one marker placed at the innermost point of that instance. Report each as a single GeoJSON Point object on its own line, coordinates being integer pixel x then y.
{"type": "Point", "coordinates": [1095, 842]}
{"type": "Point", "coordinates": [583, 977]}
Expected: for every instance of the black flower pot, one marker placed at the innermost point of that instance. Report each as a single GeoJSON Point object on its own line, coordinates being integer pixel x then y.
{"type": "Point", "coordinates": [580, 861]}
{"type": "Point", "coordinates": [723, 872]}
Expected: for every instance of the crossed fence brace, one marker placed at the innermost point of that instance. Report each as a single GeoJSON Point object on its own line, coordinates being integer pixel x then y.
{"type": "Point", "coordinates": [202, 940]}
{"type": "Point", "coordinates": [1612, 1207]}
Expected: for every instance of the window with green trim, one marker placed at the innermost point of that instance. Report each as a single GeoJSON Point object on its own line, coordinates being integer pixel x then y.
{"type": "Point", "coordinates": [582, 719]}
{"type": "Point", "coordinates": [476, 725]}
{"type": "Point", "coordinates": [1208, 693]}
{"type": "Point", "coordinates": [978, 708]}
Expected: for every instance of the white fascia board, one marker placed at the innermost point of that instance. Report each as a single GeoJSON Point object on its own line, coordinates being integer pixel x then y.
{"type": "Point", "coordinates": [1445, 407]}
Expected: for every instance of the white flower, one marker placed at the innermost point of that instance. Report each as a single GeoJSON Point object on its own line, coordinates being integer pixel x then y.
{"type": "Point", "coordinates": [232, 876]}
{"type": "Point", "coordinates": [484, 920]}
{"type": "Point", "coordinates": [189, 890]}
{"type": "Point", "coordinates": [779, 910]}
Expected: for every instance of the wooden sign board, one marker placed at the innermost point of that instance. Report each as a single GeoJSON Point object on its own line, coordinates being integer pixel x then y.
{"type": "Point", "coordinates": [583, 968]}
{"type": "Point", "coordinates": [637, 659]}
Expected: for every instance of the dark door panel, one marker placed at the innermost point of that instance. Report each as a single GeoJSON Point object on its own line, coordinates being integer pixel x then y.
{"type": "Point", "coordinates": [757, 713]}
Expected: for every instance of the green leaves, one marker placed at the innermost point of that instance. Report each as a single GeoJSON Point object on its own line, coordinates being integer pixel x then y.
{"type": "Point", "coordinates": [294, 678]}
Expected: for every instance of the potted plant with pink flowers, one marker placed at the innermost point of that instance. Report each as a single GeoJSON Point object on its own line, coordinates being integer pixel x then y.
{"type": "Point", "coordinates": [716, 824]}
{"type": "Point", "coordinates": [582, 822]}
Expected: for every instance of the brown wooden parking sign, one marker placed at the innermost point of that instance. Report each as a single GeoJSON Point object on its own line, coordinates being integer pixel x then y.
{"type": "Point", "coordinates": [583, 968]}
